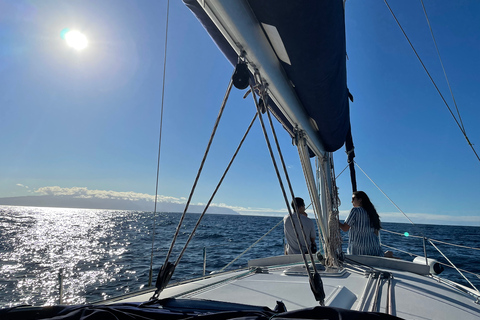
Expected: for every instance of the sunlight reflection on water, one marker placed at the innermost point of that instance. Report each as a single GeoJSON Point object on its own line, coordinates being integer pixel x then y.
{"type": "Point", "coordinates": [39, 242]}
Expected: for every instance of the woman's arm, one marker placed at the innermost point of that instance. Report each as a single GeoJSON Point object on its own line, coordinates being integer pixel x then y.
{"type": "Point", "coordinates": [345, 227]}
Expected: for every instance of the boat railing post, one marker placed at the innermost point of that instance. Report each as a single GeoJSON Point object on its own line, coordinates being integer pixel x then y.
{"type": "Point", "coordinates": [425, 250]}
{"type": "Point", "coordinates": [204, 260]}
{"type": "Point", "coordinates": [60, 283]}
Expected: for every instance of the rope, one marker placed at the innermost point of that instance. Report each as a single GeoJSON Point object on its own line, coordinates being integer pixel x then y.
{"type": "Point", "coordinates": [209, 285]}
{"type": "Point", "coordinates": [401, 234]}
{"type": "Point", "coordinates": [342, 171]}
{"type": "Point", "coordinates": [447, 243]}
{"type": "Point", "coordinates": [385, 194]}
{"type": "Point", "coordinates": [150, 273]}
{"type": "Point", "coordinates": [200, 169]}
{"type": "Point", "coordinates": [454, 245]}
{"type": "Point", "coordinates": [333, 218]}
{"type": "Point", "coordinates": [434, 84]}
{"type": "Point", "coordinates": [416, 255]}
{"type": "Point", "coordinates": [215, 191]}
{"type": "Point", "coordinates": [454, 266]}
{"type": "Point", "coordinates": [277, 171]}
{"type": "Point", "coordinates": [443, 68]}
{"type": "Point", "coordinates": [241, 254]}
{"type": "Point", "coordinates": [267, 140]}
{"type": "Point", "coordinates": [321, 236]}
{"type": "Point", "coordinates": [312, 190]}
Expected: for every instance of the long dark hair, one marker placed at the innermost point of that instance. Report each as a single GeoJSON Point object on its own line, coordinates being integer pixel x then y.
{"type": "Point", "coordinates": [370, 208]}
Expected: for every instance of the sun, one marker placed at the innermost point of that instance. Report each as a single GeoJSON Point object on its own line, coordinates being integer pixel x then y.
{"type": "Point", "coordinates": [74, 39]}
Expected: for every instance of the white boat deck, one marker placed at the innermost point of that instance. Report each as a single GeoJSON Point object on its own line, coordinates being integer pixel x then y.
{"type": "Point", "coordinates": [413, 295]}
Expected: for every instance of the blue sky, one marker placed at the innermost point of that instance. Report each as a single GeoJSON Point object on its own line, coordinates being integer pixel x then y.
{"type": "Point", "coordinates": [88, 122]}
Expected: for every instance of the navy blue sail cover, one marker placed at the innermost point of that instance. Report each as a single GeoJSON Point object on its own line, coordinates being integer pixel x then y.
{"type": "Point", "coordinates": [182, 309]}
{"type": "Point", "coordinates": [313, 33]}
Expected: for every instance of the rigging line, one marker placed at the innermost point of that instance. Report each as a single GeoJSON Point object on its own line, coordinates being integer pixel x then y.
{"type": "Point", "coordinates": [454, 245]}
{"type": "Point", "coordinates": [311, 186]}
{"type": "Point", "coordinates": [282, 187]}
{"type": "Point", "coordinates": [308, 179]}
{"type": "Point", "coordinates": [466, 271]}
{"type": "Point", "coordinates": [384, 194]}
{"type": "Point", "coordinates": [246, 250]}
{"type": "Point", "coordinates": [322, 224]}
{"type": "Point", "coordinates": [319, 186]}
{"type": "Point", "coordinates": [282, 160]}
{"type": "Point", "coordinates": [442, 242]}
{"type": "Point", "coordinates": [150, 273]}
{"type": "Point", "coordinates": [398, 208]}
{"type": "Point", "coordinates": [342, 171]}
{"type": "Point", "coordinates": [401, 234]}
{"type": "Point", "coordinates": [177, 231]}
{"type": "Point", "coordinates": [443, 68]}
{"type": "Point", "coordinates": [416, 255]}
{"type": "Point", "coordinates": [207, 286]}
{"type": "Point", "coordinates": [434, 84]}
{"type": "Point", "coordinates": [258, 107]}
{"type": "Point", "coordinates": [215, 191]}
{"type": "Point", "coordinates": [454, 266]}
{"type": "Point", "coordinates": [334, 243]}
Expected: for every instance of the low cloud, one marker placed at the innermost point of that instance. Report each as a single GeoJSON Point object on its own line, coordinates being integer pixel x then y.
{"type": "Point", "coordinates": [85, 193]}
{"type": "Point", "coordinates": [22, 186]}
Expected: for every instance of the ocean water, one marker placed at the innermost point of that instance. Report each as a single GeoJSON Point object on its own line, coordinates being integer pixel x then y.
{"type": "Point", "coordinates": [105, 253]}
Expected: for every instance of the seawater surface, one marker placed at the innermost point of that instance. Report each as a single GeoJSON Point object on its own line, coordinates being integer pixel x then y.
{"type": "Point", "coordinates": [105, 253]}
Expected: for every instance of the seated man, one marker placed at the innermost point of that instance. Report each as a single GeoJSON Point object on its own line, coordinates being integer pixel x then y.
{"type": "Point", "coordinates": [291, 246]}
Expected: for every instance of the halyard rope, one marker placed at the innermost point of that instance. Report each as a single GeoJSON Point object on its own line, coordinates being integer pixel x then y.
{"type": "Point", "coordinates": [159, 145]}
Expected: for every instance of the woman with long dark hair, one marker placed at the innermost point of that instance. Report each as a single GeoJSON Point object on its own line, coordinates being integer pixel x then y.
{"type": "Point", "coordinates": [364, 225]}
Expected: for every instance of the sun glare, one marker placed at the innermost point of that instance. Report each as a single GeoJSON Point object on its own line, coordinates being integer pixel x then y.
{"type": "Point", "coordinates": [74, 39]}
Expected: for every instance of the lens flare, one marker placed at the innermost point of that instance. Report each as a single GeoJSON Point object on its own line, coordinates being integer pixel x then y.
{"type": "Point", "coordinates": [406, 234]}
{"type": "Point", "coordinates": [63, 33]}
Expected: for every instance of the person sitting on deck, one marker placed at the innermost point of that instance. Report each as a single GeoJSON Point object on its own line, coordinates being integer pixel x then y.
{"type": "Point", "coordinates": [364, 225]}
{"type": "Point", "coordinates": [289, 227]}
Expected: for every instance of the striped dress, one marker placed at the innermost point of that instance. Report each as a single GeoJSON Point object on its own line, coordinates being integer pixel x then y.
{"type": "Point", "coordinates": [362, 239]}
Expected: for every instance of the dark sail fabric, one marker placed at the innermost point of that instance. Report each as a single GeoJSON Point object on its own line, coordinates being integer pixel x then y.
{"type": "Point", "coordinates": [313, 33]}
{"type": "Point", "coordinates": [172, 309]}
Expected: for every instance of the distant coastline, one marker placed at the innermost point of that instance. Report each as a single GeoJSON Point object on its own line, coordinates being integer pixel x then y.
{"type": "Point", "coordinates": [108, 204]}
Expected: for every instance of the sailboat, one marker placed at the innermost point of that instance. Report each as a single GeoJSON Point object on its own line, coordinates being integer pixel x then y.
{"type": "Point", "coordinates": [291, 58]}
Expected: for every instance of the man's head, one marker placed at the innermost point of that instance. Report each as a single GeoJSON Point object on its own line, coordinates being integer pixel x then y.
{"type": "Point", "coordinates": [299, 203]}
